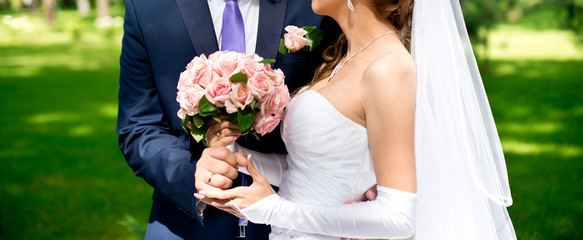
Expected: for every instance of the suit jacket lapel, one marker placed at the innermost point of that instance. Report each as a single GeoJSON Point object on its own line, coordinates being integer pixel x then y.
{"type": "Point", "coordinates": [271, 17]}
{"type": "Point", "coordinates": [199, 24]}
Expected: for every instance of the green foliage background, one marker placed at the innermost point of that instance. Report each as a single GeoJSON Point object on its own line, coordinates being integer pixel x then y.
{"type": "Point", "coordinates": [63, 176]}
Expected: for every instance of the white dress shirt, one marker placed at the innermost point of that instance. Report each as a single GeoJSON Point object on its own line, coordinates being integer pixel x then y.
{"type": "Point", "coordinates": [249, 10]}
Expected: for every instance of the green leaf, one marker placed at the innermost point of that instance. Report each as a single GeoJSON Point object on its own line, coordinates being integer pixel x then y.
{"type": "Point", "coordinates": [309, 29]}
{"type": "Point", "coordinates": [256, 135]}
{"type": "Point", "coordinates": [232, 117]}
{"type": "Point", "coordinates": [254, 104]}
{"type": "Point", "coordinates": [185, 122]}
{"type": "Point", "coordinates": [217, 119]}
{"type": "Point", "coordinates": [205, 108]}
{"type": "Point", "coordinates": [198, 121]}
{"type": "Point", "coordinates": [267, 61]}
{"type": "Point", "coordinates": [246, 118]}
{"type": "Point", "coordinates": [282, 48]}
{"type": "Point", "coordinates": [199, 133]}
{"type": "Point", "coordinates": [239, 77]}
{"type": "Point", "coordinates": [315, 36]}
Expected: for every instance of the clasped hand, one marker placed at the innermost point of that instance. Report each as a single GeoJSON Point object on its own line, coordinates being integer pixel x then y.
{"type": "Point", "coordinates": [217, 168]}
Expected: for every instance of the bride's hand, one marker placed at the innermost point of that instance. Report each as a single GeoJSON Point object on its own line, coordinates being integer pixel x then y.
{"type": "Point", "coordinates": [223, 133]}
{"type": "Point", "coordinates": [239, 197]}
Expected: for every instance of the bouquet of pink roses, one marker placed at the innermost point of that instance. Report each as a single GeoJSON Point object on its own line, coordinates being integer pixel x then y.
{"type": "Point", "coordinates": [243, 87]}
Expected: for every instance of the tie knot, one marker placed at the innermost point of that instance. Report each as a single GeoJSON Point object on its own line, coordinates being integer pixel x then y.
{"type": "Point", "coordinates": [231, 0]}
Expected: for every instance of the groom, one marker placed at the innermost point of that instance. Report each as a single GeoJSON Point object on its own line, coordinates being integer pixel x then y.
{"type": "Point", "coordinates": [160, 39]}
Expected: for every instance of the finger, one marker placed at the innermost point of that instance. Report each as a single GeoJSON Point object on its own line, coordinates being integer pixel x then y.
{"type": "Point", "coordinates": [230, 128]}
{"type": "Point", "coordinates": [220, 181]}
{"type": "Point", "coordinates": [218, 203]}
{"type": "Point", "coordinates": [225, 194]}
{"type": "Point", "coordinates": [242, 160]}
{"type": "Point", "coordinates": [205, 187]}
{"type": "Point", "coordinates": [205, 172]}
{"type": "Point", "coordinates": [224, 168]}
{"type": "Point", "coordinates": [224, 141]}
{"type": "Point", "coordinates": [351, 202]}
{"type": "Point", "coordinates": [371, 193]}
{"type": "Point", "coordinates": [220, 154]}
{"type": "Point", "coordinates": [224, 205]}
{"type": "Point", "coordinates": [253, 172]}
{"type": "Point", "coordinates": [232, 211]}
{"type": "Point", "coordinates": [228, 207]}
{"type": "Point", "coordinates": [217, 131]}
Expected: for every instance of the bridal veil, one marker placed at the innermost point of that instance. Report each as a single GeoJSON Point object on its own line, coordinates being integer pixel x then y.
{"type": "Point", "coordinates": [462, 179]}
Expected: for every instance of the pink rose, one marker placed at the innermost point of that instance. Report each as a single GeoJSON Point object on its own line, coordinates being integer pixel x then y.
{"type": "Point", "coordinates": [277, 77]}
{"type": "Point", "coordinates": [252, 66]}
{"type": "Point", "coordinates": [230, 106]}
{"type": "Point", "coordinates": [266, 123]}
{"type": "Point", "coordinates": [197, 72]}
{"type": "Point", "coordinates": [188, 99]}
{"type": "Point", "coordinates": [276, 103]}
{"type": "Point", "coordinates": [226, 64]}
{"type": "Point", "coordinates": [260, 85]}
{"type": "Point", "coordinates": [218, 91]}
{"type": "Point", "coordinates": [181, 114]}
{"type": "Point", "coordinates": [294, 39]}
{"type": "Point", "coordinates": [241, 95]}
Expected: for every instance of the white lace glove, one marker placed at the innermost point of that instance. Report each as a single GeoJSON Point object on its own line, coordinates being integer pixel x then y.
{"type": "Point", "coordinates": [391, 215]}
{"type": "Point", "coordinates": [270, 165]}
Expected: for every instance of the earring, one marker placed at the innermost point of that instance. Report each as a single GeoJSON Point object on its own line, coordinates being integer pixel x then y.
{"type": "Point", "coordinates": [350, 6]}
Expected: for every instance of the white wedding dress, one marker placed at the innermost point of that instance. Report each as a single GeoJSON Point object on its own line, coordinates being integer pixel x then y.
{"type": "Point", "coordinates": [462, 182]}
{"type": "Point", "coordinates": [339, 169]}
{"type": "Point", "coordinates": [328, 163]}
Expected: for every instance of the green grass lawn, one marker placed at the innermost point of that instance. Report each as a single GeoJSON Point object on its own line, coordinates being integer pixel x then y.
{"type": "Point", "coordinates": [538, 107]}
{"type": "Point", "coordinates": [63, 177]}
{"type": "Point", "coordinates": [62, 174]}
{"type": "Point", "coordinates": [535, 87]}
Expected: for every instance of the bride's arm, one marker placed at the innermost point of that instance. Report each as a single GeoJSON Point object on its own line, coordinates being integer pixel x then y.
{"type": "Point", "coordinates": [391, 215]}
{"type": "Point", "coordinates": [389, 106]}
{"type": "Point", "coordinates": [270, 165]}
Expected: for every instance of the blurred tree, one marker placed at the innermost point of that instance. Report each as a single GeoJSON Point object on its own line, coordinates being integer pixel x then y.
{"type": "Point", "coordinates": [5, 5]}
{"type": "Point", "coordinates": [480, 17]}
{"type": "Point", "coordinates": [83, 7]}
{"type": "Point", "coordinates": [68, 4]}
{"type": "Point", "coordinates": [102, 8]}
{"type": "Point", "coordinates": [49, 7]}
{"type": "Point", "coordinates": [574, 18]}
{"type": "Point", "coordinates": [30, 5]}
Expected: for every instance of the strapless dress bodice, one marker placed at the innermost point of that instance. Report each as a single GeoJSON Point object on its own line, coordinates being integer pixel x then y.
{"type": "Point", "coordinates": [329, 160]}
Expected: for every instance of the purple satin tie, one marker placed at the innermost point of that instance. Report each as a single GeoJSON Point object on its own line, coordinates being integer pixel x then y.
{"type": "Point", "coordinates": [233, 33]}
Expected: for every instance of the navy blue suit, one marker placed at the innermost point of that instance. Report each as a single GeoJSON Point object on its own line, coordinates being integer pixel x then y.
{"type": "Point", "coordinates": [160, 38]}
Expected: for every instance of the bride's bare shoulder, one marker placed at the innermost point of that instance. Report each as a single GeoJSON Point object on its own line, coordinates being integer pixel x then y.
{"type": "Point", "coordinates": [393, 68]}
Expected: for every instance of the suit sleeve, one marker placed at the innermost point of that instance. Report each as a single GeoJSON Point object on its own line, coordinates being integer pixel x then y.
{"type": "Point", "coordinates": [156, 153]}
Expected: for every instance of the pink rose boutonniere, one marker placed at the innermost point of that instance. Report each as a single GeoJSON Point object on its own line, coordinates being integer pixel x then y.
{"type": "Point", "coordinates": [243, 87]}
{"type": "Point", "coordinates": [296, 39]}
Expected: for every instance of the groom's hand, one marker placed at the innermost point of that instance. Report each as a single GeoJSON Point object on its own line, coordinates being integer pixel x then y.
{"type": "Point", "coordinates": [216, 168]}
{"type": "Point", "coordinates": [370, 194]}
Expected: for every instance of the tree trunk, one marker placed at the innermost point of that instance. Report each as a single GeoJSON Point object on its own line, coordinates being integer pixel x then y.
{"type": "Point", "coordinates": [102, 8]}
{"type": "Point", "coordinates": [49, 8]}
{"type": "Point", "coordinates": [83, 7]}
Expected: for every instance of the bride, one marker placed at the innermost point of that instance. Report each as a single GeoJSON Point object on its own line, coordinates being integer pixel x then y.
{"type": "Point", "coordinates": [417, 124]}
